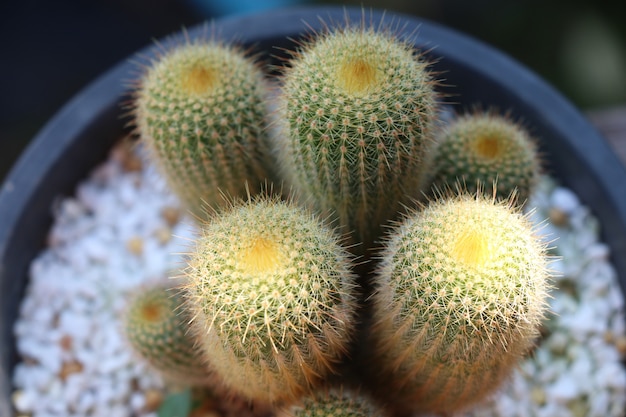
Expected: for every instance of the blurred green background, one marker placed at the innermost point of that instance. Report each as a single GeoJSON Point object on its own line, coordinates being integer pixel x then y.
{"type": "Point", "coordinates": [51, 49]}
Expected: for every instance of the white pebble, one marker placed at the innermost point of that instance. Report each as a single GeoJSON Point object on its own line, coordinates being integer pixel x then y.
{"type": "Point", "coordinates": [600, 251]}
{"type": "Point", "coordinates": [599, 407]}
{"type": "Point", "coordinates": [564, 389]}
{"type": "Point", "coordinates": [24, 400]}
{"type": "Point", "coordinates": [611, 375]}
{"type": "Point", "coordinates": [137, 401]}
{"type": "Point", "coordinates": [564, 200]}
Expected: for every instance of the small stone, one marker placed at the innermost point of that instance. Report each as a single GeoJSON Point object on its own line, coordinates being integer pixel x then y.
{"type": "Point", "coordinates": [69, 368]}
{"type": "Point", "coordinates": [564, 389]}
{"type": "Point", "coordinates": [558, 217]}
{"type": "Point", "coordinates": [564, 200]}
{"type": "Point", "coordinates": [86, 402]}
{"type": "Point", "coordinates": [171, 215]}
{"type": "Point", "coordinates": [66, 342]}
{"type": "Point", "coordinates": [22, 401]}
{"type": "Point", "coordinates": [620, 344]}
{"type": "Point", "coordinates": [137, 401]}
{"type": "Point", "coordinates": [598, 251]}
{"type": "Point", "coordinates": [153, 399]}
{"type": "Point", "coordinates": [163, 235]}
{"type": "Point", "coordinates": [538, 395]}
{"type": "Point", "coordinates": [578, 408]}
{"type": "Point", "coordinates": [558, 342]}
{"type": "Point", "coordinates": [135, 245]}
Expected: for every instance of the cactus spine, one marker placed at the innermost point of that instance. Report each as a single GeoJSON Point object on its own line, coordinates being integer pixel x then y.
{"type": "Point", "coordinates": [272, 295]}
{"type": "Point", "coordinates": [461, 292]}
{"type": "Point", "coordinates": [334, 403]}
{"type": "Point", "coordinates": [355, 110]}
{"type": "Point", "coordinates": [156, 327]}
{"type": "Point", "coordinates": [482, 149]}
{"type": "Point", "coordinates": [201, 110]}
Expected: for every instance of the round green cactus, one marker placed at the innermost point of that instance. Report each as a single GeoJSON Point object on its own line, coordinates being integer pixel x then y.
{"type": "Point", "coordinates": [481, 149]}
{"type": "Point", "coordinates": [461, 291]}
{"type": "Point", "coordinates": [156, 326]}
{"type": "Point", "coordinates": [334, 403]}
{"type": "Point", "coordinates": [272, 295]}
{"type": "Point", "coordinates": [355, 110]}
{"type": "Point", "coordinates": [201, 110]}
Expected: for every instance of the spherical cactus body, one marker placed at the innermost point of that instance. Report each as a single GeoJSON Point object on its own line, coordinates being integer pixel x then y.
{"type": "Point", "coordinates": [480, 149]}
{"type": "Point", "coordinates": [355, 111]}
{"type": "Point", "coordinates": [201, 110]}
{"type": "Point", "coordinates": [461, 291]}
{"type": "Point", "coordinates": [272, 294]}
{"type": "Point", "coordinates": [333, 403]}
{"type": "Point", "coordinates": [156, 326]}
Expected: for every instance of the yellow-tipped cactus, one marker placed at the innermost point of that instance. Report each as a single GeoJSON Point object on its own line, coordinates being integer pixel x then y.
{"type": "Point", "coordinates": [156, 326]}
{"type": "Point", "coordinates": [333, 403]}
{"type": "Point", "coordinates": [480, 149]}
{"type": "Point", "coordinates": [271, 291]}
{"type": "Point", "coordinates": [355, 111]}
{"type": "Point", "coordinates": [461, 291]}
{"type": "Point", "coordinates": [201, 110]}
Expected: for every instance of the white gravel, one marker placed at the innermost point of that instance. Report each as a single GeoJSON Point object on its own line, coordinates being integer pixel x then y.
{"type": "Point", "coordinates": [113, 236]}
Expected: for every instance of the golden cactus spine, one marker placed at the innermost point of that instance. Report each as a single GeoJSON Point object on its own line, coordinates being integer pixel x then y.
{"type": "Point", "coordinates": [355, 111]}
{"type": "Point", "coordinates": [271, 291]}
{"type": "Point", "coordinates": [200, 108]}
{"type": "Point", "coordinates": [461, 292]}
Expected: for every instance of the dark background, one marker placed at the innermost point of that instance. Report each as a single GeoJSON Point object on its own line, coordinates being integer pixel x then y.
{"type": "Point", "coordinates": [52, 48]}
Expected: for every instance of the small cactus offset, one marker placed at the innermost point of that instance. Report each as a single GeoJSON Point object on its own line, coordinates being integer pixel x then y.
{"type": "Point", "coordinates": [355, 111]}
{"type": "Point", "coordinates": [480, 149]}
{"type": "Point", "coordinates": [201, 110]}
{"type": "Point", "coordinates": [462, 289]}
{"type": "Point", "coordinates": [333, 403]}
{"type": "Point", "coordinates": [156, 326]}
{"type": "Point", "coordinates": [272, 296]}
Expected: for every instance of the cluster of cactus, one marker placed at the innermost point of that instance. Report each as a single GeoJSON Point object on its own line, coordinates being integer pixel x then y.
{"type": "Point", "coordinates": [347, 282]}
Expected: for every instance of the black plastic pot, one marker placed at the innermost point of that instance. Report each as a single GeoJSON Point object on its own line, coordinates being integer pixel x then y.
{"type": "Point", "coordinates": [81, 134]}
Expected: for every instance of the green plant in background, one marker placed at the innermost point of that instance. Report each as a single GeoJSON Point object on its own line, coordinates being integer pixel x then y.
{"type": "Point", "coordinates": [355, 114]}
{"type": "Point", "coordinates": [156, 327]}
{"type": "Point", "coordinates": [334, 403]}
{"type": "Point", "coordinates": [481, 150]}
{"type": "Point", "coordinates": [272, 295]}
{"type": "Point", "coordinates": [200, 108]}
{"type": "Point", "coordinates": [461, 291]}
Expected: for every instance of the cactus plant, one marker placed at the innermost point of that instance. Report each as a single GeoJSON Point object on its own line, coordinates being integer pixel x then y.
{"type": "Point", "coordinates": [272, 296]}
{"type": "Point", "coordinates": [462, 289]}
{"type": "Point", "coordinates": [354, 115]}
{"type": "Point", "coordinates": [333, 403]}
{"type": "Point", "coordinates": [156, 326]}
{"type": "Point", "coordinates": [201, 110]}
{"type": "Point", "coordinates": [486, 150]}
